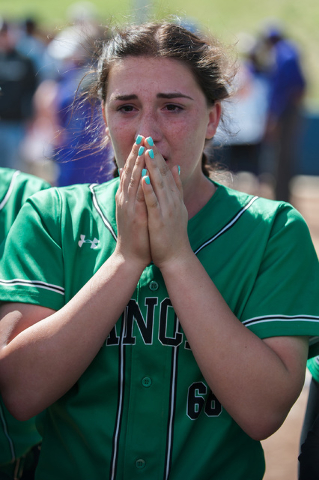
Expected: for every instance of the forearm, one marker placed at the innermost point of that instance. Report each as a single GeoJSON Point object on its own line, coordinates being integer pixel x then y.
{"type": "Point", "coordinates": [253, 383]}
{"type": "Point", "coordinates": [42, 362]}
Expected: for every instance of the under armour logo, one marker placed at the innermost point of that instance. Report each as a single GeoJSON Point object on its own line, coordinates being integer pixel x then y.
{"type": "Point", "coordinates": [93, 242]}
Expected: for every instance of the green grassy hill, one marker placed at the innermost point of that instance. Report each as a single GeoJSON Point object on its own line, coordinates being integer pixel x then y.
{"type": "Point", "coordinates": [226, 18]}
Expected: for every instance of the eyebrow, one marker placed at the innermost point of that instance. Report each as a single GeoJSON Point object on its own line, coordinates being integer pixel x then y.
{"type": "Point", "coordinates": [126, 98]}
{"type": "Point", "coordinates": [173, 95]}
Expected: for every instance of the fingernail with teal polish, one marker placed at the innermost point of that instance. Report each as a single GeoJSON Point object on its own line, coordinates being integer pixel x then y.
{"type": "Point", "coordinates": [118, 171]}
{"type": "Point", "coordinates": [150, 141]}
{"type": "Point", "coordinates": [138, 139]}
{"type": "Point", "coordinates": [140, 151]}
{"type": "Point", "coordinates": [179, 169]}
{"type": "Point", "coordinates": [144, 172]}
{"type": "Point", "coordinates": [151, 153]}
{"type": "Point", "coordinates": [147, 180]}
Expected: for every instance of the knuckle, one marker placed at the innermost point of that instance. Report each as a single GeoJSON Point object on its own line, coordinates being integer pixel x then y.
{"type": "Point", "coordinates": [133, 183]}
{"type": "Point", "coordinates": [140, 197]}
{"type": "Point", "coordinates": [164, 169]}
{"type": "Point", "coordinates": [161, 183]}
{"type": "Point", "coordinates": [139, 161]}
{"type": "Point", "coordinates": [153, 203]}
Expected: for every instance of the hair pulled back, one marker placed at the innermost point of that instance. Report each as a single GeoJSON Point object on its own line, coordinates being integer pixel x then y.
{"type": "Point", "coordinates": [205, 58]}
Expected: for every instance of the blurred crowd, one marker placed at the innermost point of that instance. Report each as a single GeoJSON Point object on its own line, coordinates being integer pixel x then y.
{"type": "Point", "coordinates": [261, 129]}
{"type": "Point", "coordinates": [46, 126]}
{"type": "Point", "coordinates": [45, 120]}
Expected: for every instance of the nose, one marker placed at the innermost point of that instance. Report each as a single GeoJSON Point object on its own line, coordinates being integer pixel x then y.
{"type": "Point", "coordinates": [149, 126]}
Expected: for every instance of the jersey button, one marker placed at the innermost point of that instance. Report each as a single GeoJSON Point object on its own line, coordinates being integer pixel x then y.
{"type": "Point", "coordinates": [146, 382]}
{"type": "Point", "coordinates": [153, 285]}
{"type": "Point", "coordinates": [140, 463]}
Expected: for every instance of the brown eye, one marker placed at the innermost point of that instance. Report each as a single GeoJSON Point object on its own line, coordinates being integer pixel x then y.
{"type": "Point", "coordinates": [173, 108]}
{"type": "Point", "coordinates": [126, 108]}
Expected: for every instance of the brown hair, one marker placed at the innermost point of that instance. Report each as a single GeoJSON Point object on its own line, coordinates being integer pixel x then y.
{"type": "Point", "coordinates": [205, 57]}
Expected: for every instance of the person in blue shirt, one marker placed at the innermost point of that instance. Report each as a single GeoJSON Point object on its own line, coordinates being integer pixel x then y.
{"type": "Point", "coordinates": [287, 86]}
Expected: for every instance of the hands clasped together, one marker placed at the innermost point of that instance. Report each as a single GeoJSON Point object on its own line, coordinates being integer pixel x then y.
{"type": "Point", "coordinates": [151, 215]}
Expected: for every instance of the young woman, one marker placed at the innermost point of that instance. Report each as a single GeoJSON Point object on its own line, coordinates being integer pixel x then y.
{"type": "Point", "coordinates": [161, 320]}
{"type": "Point", "coordinates": [19, 441]}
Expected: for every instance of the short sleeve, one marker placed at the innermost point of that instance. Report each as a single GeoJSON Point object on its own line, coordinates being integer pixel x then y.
{"type": "Point", "coordinates": [284, 300]}
{"type": "Point", "coordinates": [28, 185]}
{"type": "Point", "coordinates": [31, 266]}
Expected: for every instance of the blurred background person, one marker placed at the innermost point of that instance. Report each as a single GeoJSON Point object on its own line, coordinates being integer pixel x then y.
{"type": "Point", "coordinates": [287, 86]}
{"type": "Point", "coordinates": [37, 148]}
{"type": "Point", "coordinates": [33, 43]}
{"type": "Point", "coordinates": [78, 149]}
{"type": "Point", "coordinates": [17, 86]}
{"type": "Point", "coordinates": [240, 135]}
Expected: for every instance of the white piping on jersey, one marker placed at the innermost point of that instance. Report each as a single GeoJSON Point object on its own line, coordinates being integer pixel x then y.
{"type": "Point", "coordinates": [228, 226]}
{"type": "Point", "coordinates": [99, 211]}
{"type": "Point", "coordinates": [5, 429]}
{"type": "Point", "coordinates": [33, 283]}
{"type": "Point", "coordinates": [172, 409]}
{"type": "Point", "coordinates": [280, 318]}
{"type": "Point", "coordinates": [7, 195]}
{"type": "Point", "coordinates": [120, 401]}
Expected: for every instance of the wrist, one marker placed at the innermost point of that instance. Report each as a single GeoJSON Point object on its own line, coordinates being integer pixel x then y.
{"type": "Point", "coordinates": [177, 263]}
{"type": "Point", "coordinates": [132, 263]}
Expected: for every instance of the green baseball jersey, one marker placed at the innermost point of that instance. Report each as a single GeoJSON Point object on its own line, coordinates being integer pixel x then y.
{"type": "Point", "coordinates": [16, 438]}
{"type": "Point", "coordinates": [143, 409]}
{"type": "Point", "coordinates": [15, 188]}
{"type": "Point", "coordinates": [313, 366]}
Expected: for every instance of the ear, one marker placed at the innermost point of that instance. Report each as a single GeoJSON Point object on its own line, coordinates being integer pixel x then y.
{"type": "Point", "coordinates": [213, 120]}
